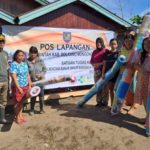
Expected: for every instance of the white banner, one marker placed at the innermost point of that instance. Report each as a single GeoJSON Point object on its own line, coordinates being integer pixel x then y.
{"type": "Point", "coordinates": [64, 51]}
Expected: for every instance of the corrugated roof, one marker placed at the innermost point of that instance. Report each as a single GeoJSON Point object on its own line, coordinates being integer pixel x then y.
{"type": "Point", "coordinates": [7, 16]}
{"type": "Point", "coordinates": [61, 3]}
{"type": "Point", "coordinates": [49, 7]}
{"type": "Point", "coordinates": [43, 2]}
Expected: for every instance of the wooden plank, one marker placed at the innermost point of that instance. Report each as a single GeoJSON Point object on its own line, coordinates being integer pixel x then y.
{"type": "Point", "coordinates": [79, 16]}
{"type": "Point", "coordinates": [65, 94]}
{"type": "Point", "coordinates": [54, 96]}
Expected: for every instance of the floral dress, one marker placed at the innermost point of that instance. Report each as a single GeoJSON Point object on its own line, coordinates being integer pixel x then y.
{"type": "Point", "coordinates": [141, 92]}
{"type": "Point", "coordinates": [21, 71]}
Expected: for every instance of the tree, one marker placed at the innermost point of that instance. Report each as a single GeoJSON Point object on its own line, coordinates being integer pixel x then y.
{"type": "Point", "coordinates": [136, 19]}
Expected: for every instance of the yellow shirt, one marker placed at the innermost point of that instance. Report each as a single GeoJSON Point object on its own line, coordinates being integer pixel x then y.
{"type": "Point", "coordinates": [125, 53]}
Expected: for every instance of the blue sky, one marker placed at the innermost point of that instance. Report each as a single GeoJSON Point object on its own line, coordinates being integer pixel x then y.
{"type": "Point", "coordinates": [129, 7]}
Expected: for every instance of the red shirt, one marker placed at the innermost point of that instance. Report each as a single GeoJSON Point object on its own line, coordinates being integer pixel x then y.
{"type": "Point", "coordinates": [98, 57]}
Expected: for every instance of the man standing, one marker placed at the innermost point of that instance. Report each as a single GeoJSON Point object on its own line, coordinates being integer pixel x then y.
{"type": "Point", "coordinates": [3, 79]}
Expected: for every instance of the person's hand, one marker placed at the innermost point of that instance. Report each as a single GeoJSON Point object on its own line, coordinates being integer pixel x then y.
{"type": "Point", "coordinates": [38, 76]}
{"type": "Point", "coordinates": [31, 85]}
{"type": "Point", "coordinates": [20, 90]}
{"type": "Point", "coordinates": [96, 66]}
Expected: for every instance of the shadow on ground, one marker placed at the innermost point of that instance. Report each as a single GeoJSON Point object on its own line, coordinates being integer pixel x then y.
{"type": "Point", "coordinates": [100, 115]}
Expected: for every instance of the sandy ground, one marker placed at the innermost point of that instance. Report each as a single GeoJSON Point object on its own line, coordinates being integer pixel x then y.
{"type": "Point", "coordinates": [65, 127]}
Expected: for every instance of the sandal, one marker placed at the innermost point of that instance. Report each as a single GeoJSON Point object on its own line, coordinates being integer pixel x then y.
{"type": "Point", "coordinates": [131, 111]}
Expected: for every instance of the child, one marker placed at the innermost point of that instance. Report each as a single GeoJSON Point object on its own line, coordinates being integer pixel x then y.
{"type": "Point", "coordinates": [126, 50]}
{"type": "Point", "coordinates": [109, 59]}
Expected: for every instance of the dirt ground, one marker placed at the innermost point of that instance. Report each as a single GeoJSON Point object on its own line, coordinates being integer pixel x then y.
{"type": "Point", "coordinates": [65, 127]}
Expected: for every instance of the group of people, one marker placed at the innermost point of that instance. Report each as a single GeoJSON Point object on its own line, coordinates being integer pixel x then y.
{"type": "Point", "coordinates": [23, 73]}
{"type": "Point", "coordinates": [103, 59]}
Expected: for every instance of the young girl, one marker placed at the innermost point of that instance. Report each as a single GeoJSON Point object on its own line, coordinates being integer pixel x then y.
{"type": "Point", "coordinates": [21, 84]}
{"type": "Point", "coordinates": [109, 59]}
{"type": "Point", "coordinates": [126, 50]}
{"type": "Point", "coordinates": [97, 62]}
{"type": "Point", "coordinates": [143, 66]}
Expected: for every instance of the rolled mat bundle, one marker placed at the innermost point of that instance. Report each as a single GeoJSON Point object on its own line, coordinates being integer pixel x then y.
{"type": "Point", "coordinates": [35, 90]}
{"type": "Point", "coordinates": [101, 82]}
{"type": "Point", "coordinates": [127, 77]}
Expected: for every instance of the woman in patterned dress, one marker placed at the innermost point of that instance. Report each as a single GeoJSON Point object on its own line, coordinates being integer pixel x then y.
{"type": "Point", "coordinates": [143, 66]}
{"type": "Point", "coordinates": [21, 84]}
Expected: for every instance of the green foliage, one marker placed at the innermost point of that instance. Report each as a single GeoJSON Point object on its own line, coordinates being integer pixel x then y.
{"type": "Point", "coordinates": [136, 19]}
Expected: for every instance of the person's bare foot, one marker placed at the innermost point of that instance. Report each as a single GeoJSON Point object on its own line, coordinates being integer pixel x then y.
{"type": "Point", "coordinates": [121, 110]}
{"type": "Point", "coordinates": [19, 121]}
{"type": "Point", "coordinates": [131, 111]}
{"type": "Point", "coordinates": [124, 105]}
{"type": "Point", "coordinates": [23, 119]}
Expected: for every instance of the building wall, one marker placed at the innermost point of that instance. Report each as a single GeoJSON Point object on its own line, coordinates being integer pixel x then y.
{"type": "Point", "coordinates": [17, 7]}
{"type": "Point", "coordinates": [75, 15]}
{"type": "Point", "coordinates": [2, 22]}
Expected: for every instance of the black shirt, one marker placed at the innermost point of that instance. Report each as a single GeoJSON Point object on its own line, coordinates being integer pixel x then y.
{"type": "Point", "coordinates": [110, 58]}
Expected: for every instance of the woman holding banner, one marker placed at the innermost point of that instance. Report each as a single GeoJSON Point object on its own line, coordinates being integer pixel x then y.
{"type": "Point", "coordinates": [97, 63]}
{"type": "Point", "coordinates": [37, 70]}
